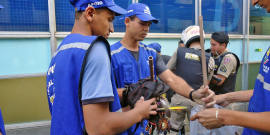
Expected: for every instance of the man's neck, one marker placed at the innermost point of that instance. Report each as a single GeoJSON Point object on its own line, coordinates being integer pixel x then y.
{"type": "Point", "coordinates": [130, 43]}
{"type": "Point", "coordinates": [197, 46]}
{"type": "Point", "coordinates": [81, 28]}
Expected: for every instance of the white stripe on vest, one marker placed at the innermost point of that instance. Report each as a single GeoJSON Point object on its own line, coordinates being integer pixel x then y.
{"type": "Point", "coordinates": [78, 45]}
{"type": "Point", "coordinates": [117, 51]}
{"type": "Point", "coordinates": [265, 84]}
{"type": "Point", "coordinates": [122, 47]}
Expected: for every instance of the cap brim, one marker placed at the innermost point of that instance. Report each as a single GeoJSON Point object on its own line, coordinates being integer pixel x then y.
{"type": "Point", "coordinates": [146, 17]}
{"type": "Point", "coordinates": [1, 6]}
{"type": "Point", "coordinates": [118, 10]}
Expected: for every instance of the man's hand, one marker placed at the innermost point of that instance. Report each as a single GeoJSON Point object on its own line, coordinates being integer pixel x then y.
{"type": "Point", "coordinates": [207, 118]}
{"type": "Point", "coordinates": [145, 108]}
{"type": "Point", "coordinates": [204, 96]}
{"type": "Point", "coordinates": [221, 100]}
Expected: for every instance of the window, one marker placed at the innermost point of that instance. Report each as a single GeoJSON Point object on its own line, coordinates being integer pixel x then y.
{"type": "Point", "coordinates": [24, 15]}
{"type": "Point", "coordinates": [259, 21]}
{"type": "Point", "coordinates": [65, 15]}
{"type": "Point", "coordinates": [226, 15]}
{"type": "Point", "coordinates": [173, 15]}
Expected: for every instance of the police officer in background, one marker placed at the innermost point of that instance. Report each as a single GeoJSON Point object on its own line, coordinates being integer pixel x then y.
{"type": "Point", "coordinates": [181, 43]}
{"type": "Point", "coordinates": [226, 64]}
{"type": "Point", "coordinates": [187, 64]}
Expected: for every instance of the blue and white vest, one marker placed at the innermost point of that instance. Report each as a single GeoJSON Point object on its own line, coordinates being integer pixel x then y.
{"type": "Point", "coordinates": [64, 79]}
{"type": "Point", "coordinates": [127, 70]}
{"type": "Point", "coordinates": [260, 100]}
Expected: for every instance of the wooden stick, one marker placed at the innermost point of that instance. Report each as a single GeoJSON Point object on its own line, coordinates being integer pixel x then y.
{"type": "Point", "coordinates": [151, 67]}
{"type": "Point", "coordinates": [205, 83]}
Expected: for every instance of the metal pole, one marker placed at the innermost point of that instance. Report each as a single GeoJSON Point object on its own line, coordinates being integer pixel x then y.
{"type": "Point", "coordinates": [196, 12]}
{"type": "Point", "coordinates": [245, 65]}
{"type": "Point", "coordinates": [200, 7]}
{"type": "Point", "coordinates": [52, 23]}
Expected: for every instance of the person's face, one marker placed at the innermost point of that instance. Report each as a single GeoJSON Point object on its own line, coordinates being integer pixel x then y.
{"type": "Point", "coordinates": [103, 23]}
{"type": "Point", "coordinates": [262, 3]}
{"type": "Point", "coordinates": [216, 47]}
{"type": "Point", "coordinates": [138, 29]}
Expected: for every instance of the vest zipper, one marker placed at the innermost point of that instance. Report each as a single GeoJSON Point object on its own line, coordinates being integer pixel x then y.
{"type": "Point", "coordinates": [139, 70]}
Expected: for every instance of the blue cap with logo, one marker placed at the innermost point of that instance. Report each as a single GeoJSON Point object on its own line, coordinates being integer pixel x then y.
{"type": "Point", "coordinates": [1, 7]}
{"type": "Point", "coordinates": [155, 46]}
{"type": "Point", "coordinates": [142, 11]}
{"type": "Point", "coordinates": [81, 5]}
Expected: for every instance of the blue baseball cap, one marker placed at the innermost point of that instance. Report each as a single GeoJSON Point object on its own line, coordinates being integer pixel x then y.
{"type": "Point", "coordinates": [81, 5]}
{"type": "Point", "coordinates": [155, 46]}
{"type": "Point", "coordinates": [1, 7]}
{"type": "Point", "coordinates": [142, 11]}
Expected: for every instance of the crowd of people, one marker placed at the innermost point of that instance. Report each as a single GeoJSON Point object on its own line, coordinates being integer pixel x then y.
{"type": "Point", "coordinates": [87, 76]}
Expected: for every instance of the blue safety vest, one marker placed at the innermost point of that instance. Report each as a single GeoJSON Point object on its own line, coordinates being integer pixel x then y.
{"type": "Point", "coordinates": [2, 125]}
{"type": "Point", "coordinates": [127, 70]}
{"type": "Point", "coordinates": [63, 80]}
{"type": "Point", "coordinates": [260, 100]}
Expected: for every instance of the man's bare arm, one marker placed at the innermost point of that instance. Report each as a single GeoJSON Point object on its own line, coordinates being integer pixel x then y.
{"type": "Point", "coordinates": [99, 120]}
{"type": "Point", "coordinates": [120, 92]}
{"type": "Point", "coordinates": [239, 96]}
{"type": "Point", "coordinates": [201, 96]}
{"type": "Point", "coordinates": [176, 83]}
{"type": "Point", "coordinates": [258, 121]}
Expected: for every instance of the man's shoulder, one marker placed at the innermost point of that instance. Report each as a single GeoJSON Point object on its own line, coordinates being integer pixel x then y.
{"type": "Point", "coordinates": [229, 57]}
{"type": "Point", "coordinates": [116, 45]}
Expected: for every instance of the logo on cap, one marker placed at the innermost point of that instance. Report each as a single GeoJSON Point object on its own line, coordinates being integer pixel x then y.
{"type": "Point", "coordinates": [147, 10]}
{"type": "Point", "coordinates": [95, 3]}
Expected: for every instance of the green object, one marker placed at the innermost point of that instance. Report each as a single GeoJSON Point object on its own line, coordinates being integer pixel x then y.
{"type": "Point", "coordinates": [258, 49]}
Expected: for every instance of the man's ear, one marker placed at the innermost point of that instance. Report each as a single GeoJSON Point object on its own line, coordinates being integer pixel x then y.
{"type": "Point", "coordinates": [127, 21]}
{"type": "Point", "coordinates": [90, 13]}
{"type": "Point", "coordinates": [223, 45]}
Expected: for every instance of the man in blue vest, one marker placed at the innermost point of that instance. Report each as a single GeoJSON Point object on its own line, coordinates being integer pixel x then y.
{"type": "Point", "coordinates": [81, 88]}
{"type": "Point", "coordinates": [257, 120]}
{"type": "Point", "coordinates": [130, 58]}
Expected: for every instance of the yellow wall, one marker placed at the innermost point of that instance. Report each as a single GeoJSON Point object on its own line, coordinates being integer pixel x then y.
{"type": "Point", "coordinates": [24, 100]}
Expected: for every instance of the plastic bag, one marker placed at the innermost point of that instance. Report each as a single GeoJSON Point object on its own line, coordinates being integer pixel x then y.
{"type": "Point", "coordinates": [196, 128]}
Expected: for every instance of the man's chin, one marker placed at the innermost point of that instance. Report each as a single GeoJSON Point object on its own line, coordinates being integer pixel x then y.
{"type": "Point", "coordinates": [268, 9]}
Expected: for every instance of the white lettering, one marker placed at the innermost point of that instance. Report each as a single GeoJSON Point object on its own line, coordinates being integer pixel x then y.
{"type": "Point", "coordinates": [51, 69]}
{"type": "Point", "coordinates": [265, 69]}
{"type": "Point", "coordinates": [147, 10]}
{"type": "Point", "coordinates": [130, 11]}
{"type": "Point", "coordinates": [96, 3]}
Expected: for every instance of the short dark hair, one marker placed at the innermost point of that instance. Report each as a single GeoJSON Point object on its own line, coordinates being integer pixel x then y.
{"type": "Point", "coordinates": [78, 14]}
{"type": "Point", "coordinates": [223, 43]}
{"type": "Point", "coordinates": [132, 17]}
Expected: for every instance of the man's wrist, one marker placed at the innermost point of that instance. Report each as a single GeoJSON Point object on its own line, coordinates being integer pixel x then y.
{"type": "Point", "coordinates": [191, 95]}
